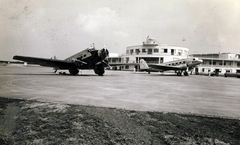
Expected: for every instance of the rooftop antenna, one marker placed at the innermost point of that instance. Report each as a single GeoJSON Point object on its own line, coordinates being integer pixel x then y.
{"type": "Point", "coordinates": [93, 45]}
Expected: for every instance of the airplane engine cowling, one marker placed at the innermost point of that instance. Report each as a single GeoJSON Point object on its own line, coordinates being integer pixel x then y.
{"type": "Point", "coordinates": [103, 53]}
{"type": "Point", "coordinates": [183, 67]}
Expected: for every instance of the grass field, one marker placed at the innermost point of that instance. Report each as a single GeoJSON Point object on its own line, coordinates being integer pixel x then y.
{"type": "Point", "coordinates": [34, 122]}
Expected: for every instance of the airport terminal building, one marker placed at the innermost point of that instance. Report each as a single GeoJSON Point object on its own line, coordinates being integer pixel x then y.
{"type": "Point", "coordinates": [151, 51]}
{"type": "Point", "coordinates": [218, 64]}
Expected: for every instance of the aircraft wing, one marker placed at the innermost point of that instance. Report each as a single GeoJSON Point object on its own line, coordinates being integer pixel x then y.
{"type": "Point", "coordinates": [164, 67]}
{"type": "Point", "coordinates": [59, 64]}
{"type": "Point", "coordinates": [122, 64]}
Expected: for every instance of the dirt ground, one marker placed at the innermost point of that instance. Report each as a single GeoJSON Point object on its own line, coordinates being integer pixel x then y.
{"type": "Point", "coordinates": [34, 122]}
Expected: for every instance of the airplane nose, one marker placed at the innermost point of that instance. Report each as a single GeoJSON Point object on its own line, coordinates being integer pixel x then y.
{"type": "Point", "coordinates": [103, 53]}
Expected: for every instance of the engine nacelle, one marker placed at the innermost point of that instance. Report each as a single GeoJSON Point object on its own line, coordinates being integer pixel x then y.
{"type": "Point", "coordinates": [103, 53]}
{"type": "Point", "coordinates": [183, 67]}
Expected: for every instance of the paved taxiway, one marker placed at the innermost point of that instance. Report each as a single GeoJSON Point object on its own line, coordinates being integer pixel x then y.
{"type": "Point", "coordinates": [216, 96]}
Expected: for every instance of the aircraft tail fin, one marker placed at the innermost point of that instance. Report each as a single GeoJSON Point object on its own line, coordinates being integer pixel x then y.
{"type": "Point", "coordinates": [143, 65]}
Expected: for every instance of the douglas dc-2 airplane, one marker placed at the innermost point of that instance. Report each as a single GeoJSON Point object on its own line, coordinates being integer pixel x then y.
{"type": "Point", "coordinates": [178, 66]}
{"type": "Point", "coordinates": [89, 58]}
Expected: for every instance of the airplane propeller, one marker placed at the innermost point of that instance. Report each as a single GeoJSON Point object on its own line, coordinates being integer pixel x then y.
{"type": "Point", "coordinates": [106, 63]}
{"type": "Point", "coordinates": [103, 53]}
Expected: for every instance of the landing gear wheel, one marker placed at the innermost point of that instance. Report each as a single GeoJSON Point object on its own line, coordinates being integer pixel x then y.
{"type": "Point", "coordinates": [185, 73]}
{"type": "Point", "coordinates": [178, 73]}
{"type": "Point", "coordinates": [99, 70]}
{"type": "Point", "coordinates": [73, 71]}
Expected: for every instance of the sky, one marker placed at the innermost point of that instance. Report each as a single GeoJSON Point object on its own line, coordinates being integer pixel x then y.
{"type": "Point", "coordinates": [47, 28]}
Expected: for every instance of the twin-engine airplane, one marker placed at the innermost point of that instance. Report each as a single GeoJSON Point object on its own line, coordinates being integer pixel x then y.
{"type": "Point", "coordinates": [178, 66]}
{"type": "Point", "coordinates": [89, 58]}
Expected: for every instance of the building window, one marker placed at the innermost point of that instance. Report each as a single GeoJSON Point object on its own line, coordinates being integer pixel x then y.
{"type": "Point", "coordinates": [156, 50]}
{"type": "Point", "coordinates": [214, 63]}
{"type": "Point", "coordinates": [172, 51]}
{"type": "Point", "coordinates": [143, 50]}
{"type": "Point", "coordinates": [238, 64]}
{"type": "Point", "coordinates": [180, 52]}
{"type": "Point", "coordinates": [228, 70]}
{"type": "Point", "coordinates": [131, 51]}
{"type": "Point", "coordinates": [137, 51]}
{"type": "Point", "coordinates": [127, 59]}
{"type": "Point", "coordinates": [150, 51]}
{"type": "Point", "coordinates": [161, 60]}
{"type": "Point", "coordinates": [126, 67]}
{"type": "Point", "coordinates": [114, 59]}
{"type": "Point", "coordinates": [165, 51]}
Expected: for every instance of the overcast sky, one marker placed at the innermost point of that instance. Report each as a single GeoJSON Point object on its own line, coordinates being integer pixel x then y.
{"type": "Point", "coordinates": [44, 28]}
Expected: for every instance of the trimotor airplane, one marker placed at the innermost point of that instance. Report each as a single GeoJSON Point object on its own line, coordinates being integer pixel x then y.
{"type": "Point", "coordinates": [178, 66]}
{"type": "Point", "coordinates": [89, 58]}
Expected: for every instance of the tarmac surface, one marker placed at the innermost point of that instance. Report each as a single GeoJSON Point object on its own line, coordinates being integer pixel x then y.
{"type": "Point", "coordinates": [212, 96]}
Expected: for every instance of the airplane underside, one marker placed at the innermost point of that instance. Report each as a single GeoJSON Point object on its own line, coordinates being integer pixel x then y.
{"type": "Point", "coordinates": [99, 70]}
{"type": "Point", "coordinates": [178, 72]}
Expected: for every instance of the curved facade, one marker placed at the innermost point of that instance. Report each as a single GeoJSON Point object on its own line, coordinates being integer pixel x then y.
{"type": "Point", "coordinates": [151, 52]}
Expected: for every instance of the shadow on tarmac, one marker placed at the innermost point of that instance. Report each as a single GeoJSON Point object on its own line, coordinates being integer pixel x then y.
{"type": "Point", "coordinates": [48, 74]}
{"type": "Point", "coordinates": [157, 74]}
